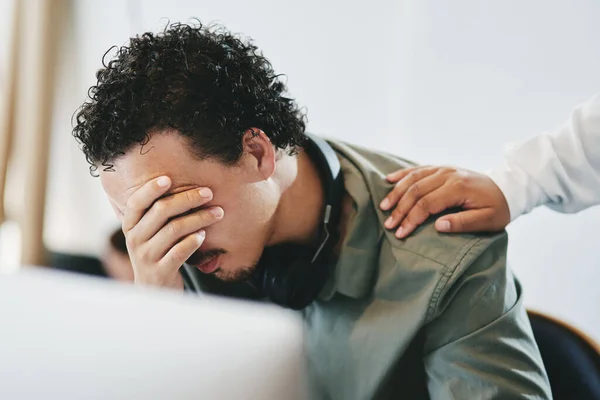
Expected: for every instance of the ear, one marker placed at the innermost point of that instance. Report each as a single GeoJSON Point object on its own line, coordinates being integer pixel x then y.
{"type": "Point", "coordinates": [257, 145]}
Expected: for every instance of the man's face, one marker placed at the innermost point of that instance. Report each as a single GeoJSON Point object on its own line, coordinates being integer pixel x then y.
{"type": "Point", "coordinates": [248, 200]}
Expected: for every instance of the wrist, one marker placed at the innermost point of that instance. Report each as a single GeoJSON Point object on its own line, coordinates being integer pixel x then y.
{"type": "Point", "coordinates": [517, 188]}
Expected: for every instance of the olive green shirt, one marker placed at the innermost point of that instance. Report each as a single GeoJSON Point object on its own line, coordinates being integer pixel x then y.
{"type": "Point", "coordinates": [435, 315]}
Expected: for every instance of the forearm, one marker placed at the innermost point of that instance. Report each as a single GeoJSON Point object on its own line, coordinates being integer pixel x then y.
{"type": "Point", "coordinates": [560, 170]}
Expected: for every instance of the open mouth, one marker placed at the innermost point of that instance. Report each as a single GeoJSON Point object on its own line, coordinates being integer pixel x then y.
{"type": "Point", "coordinates": [205, 263]}
{"type": "Point", "coordinates": [211, 265]}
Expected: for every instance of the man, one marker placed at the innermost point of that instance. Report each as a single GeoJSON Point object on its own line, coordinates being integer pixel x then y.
{"type": "Point", "coordinates": [206, 162]}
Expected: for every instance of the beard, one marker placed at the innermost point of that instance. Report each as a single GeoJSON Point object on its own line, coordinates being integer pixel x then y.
{"type": "Point", "coordinates": [242, 274]}
{"type": "Point", "coordinates": [236, 275]}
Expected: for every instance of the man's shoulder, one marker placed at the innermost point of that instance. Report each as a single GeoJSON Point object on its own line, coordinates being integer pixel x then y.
{"type": "Point", "coordinates": [374, 259]}
{"type": "Point", "coordinates": [449, 250]}
{"type": "Point", "coordinates": [432, 265]}
{"type": "Point", "coordinates": [366, 158]}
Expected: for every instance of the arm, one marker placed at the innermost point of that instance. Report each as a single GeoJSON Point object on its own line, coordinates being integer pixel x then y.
{"type": "Point", "coordinates": [479, 342]}
{"type": "Point", "coordinates": [560, 170]}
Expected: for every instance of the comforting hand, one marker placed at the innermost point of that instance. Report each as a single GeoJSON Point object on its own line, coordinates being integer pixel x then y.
{"type": "Point", "coordinates": [162, 234]}
{"type": "Point", "coordinates": [423, 191]}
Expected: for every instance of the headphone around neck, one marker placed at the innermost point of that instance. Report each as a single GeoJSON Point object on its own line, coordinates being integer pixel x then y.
{"type": "Point", "coordinates": [292, 275]}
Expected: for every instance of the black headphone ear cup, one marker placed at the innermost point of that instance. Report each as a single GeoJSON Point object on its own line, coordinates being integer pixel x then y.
{"type": "Point", "coordinates": [287, 275]}
{"type": "Point", "coordinates": [293, 286]}
{"type": "Point", "coordinates": [277, 270]}
{"type": "Point", "coordinates": [278, 286]}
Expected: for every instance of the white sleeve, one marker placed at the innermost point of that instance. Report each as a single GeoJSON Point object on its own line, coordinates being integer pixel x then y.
{"type": "Point", "coordinates": [560, 170]}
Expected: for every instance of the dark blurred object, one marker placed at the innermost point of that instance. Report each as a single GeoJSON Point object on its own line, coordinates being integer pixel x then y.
{"type": "Point", "coordinates": [115, 258]}
{"type": "Point", "coordinates": [77, 263]}
{"type": "Point", "coordinates": [117, 241]}
{"type": "Point", "coordinates": [572, 359]}
{"type": "Point", "coordinates": [113, 263]}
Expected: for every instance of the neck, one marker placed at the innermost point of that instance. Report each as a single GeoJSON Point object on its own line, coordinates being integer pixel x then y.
{"type": "Point", "coordinates": [300, 211]}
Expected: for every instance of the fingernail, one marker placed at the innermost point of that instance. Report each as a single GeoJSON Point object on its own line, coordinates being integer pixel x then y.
{"type": "Point", "coordinates": [163, 181]}
{"type": "Point", "coordinates": [399, 232]}
{"type": "Point", "coordinates": [385, 204]}
{"type": "Point", "coordinates": [388, 222]}
{"type": "Point", "coordinates": [205, 192]}
{"type": "Point", "coordinates": [217, 212]}
{"type": "Point", "coordinates": [443, 226]}
{"type": "Point", "coordinates": [200, 235]}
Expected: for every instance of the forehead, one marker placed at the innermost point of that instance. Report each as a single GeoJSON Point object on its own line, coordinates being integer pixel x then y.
{"type": "Point", "coordinates": [165, 153]}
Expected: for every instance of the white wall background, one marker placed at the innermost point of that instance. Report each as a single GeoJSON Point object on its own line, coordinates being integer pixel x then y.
{"type": "Point", "coordinates": [435, 81]}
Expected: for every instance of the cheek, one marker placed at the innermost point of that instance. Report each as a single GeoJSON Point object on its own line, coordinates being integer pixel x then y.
{"type": "Point", "coordinates": [248, 218]}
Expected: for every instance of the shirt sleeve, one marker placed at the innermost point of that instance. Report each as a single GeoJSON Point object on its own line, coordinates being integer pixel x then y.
{"type": "Point", "coordinates": [559, 169]}
{"type": "Point", "coordinates": [479, 343]}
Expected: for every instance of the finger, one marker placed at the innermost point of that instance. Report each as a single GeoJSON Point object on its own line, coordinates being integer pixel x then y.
{"type": "Point", "coordinates": [142, 199]}
{"type": "Point", "coordinates": [411, 196]}
{"type": "Point", "coordinates": [401, 173]}
{"type": "Point", "coordinates": [434, 203]}
{"type": "Point", "coordinates": [481, 220]}
{"type": "Point", "coordinates": [183, 250]}
{"type": "Point", "coordinates": [403, 186]}
{"type": "Point", "coordinates": [180, 227]}
{"type": "Point", "coordinates": [164, 209]}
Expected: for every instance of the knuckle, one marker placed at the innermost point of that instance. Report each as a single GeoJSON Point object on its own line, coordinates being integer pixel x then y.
{"type": "Point", "coordinates": [132, 204]}
{"type": "Point", "coordinates": [415, 218]}
{"type": "Point", "coordinates": [413, 190]}
{"type": "Point", "coordinates": [413, 175]}
{"type": "Point", "coordinates": [178, 255]}
{"type": "Point", "coordinates": [459, 184]}
{"type": "Point", "coordinates": [173, 227]}
{"type": "Point", "coordinates": [201, 218]}
{"type": "Point", "coordinates": [143, 255]}
{"type": "Point", "coordinates": [160, 207]}
{"type": "Point", "coordinates": [423, 205]}
{"type": "Point", "coordinates": [131, 240]}
{"type": "Point", "coordinates": [411, 220]}
{"type": "Point", "coordinates": [436, 206]}
{"type": "Point", "coordinates": [466, 180]}
{"type": "Point", "coordinates": [191, 197]}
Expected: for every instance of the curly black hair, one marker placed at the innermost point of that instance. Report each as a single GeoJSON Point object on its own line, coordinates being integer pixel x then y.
{"type": "Point", "coordinates": [204, 82]}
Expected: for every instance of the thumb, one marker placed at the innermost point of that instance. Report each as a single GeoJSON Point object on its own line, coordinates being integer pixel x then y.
{"type": "Point", "coordinates": [481, 220]}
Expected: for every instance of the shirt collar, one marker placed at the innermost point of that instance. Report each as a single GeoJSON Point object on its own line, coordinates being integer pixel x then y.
{"type": "Point", "coordinates": [356, 267]}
